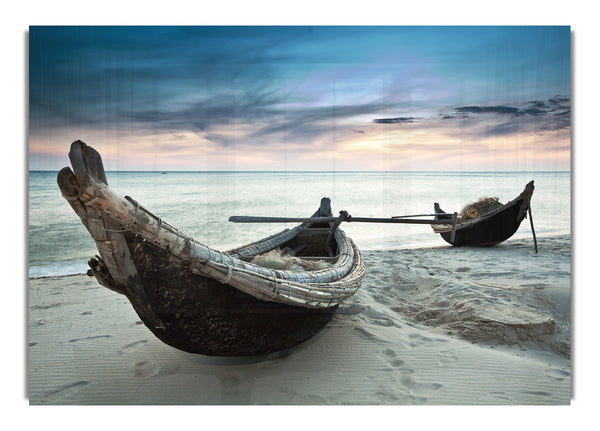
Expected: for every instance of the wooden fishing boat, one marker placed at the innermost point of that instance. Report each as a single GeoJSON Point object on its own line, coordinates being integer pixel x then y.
{"type": "Point", "coordinates": [481, 228]}
{"type": "Point", "coordinates": [202, 300]}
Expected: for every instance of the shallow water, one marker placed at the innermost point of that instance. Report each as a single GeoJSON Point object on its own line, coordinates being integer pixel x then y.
{"type": "Point", "coordinates": [200, 204]}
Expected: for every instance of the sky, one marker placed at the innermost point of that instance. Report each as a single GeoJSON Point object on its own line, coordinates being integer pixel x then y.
{"type": "Point", "coordinates": [302, 98]}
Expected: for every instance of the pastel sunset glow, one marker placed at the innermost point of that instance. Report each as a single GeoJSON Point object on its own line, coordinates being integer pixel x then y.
{"type": "Point", "coordinates": [302, 98]}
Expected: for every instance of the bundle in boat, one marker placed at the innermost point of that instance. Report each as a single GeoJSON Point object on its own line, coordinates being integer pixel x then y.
{"type": "Point", "coordinates": [486, 222]}
{"type": "Point", "coordinates": [480, 207]}
{"type": "Point", "coordinates": [201, 300]}
{"type": "Point", "coordinates": [286, 259]}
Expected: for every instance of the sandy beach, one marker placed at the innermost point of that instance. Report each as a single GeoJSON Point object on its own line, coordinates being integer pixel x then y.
{"type": "Point", "coordinates": [435, 326]}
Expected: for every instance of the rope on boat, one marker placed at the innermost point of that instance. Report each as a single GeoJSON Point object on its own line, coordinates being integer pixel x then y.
{"type": "Point", "coordinates": [275, 291]}
{"type": "Point", "coordinates": [134, 219]}
{"type": "Point", "coordinates": [196, 259]}
{"type": "Point", "coordinates": [289, 288]}
{"type": "Point", "coordinates": [158, 227]}
{"type": "Point", "coordinates": [332, 295]}
{"type": "Point", "coordinates": [131, 222]}
{"type": "Point", "coordinates": [176, 238]}
{"type": "Point", "coordinates": [228, 276]}
{"type": "Point", "coordinates": [91, 201]}
{"type": "Point", "coordinates": [72, 198]}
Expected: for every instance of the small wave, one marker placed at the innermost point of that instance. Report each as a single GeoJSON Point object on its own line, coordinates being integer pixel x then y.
{"type": "Point", "coordinates": [58, 268]}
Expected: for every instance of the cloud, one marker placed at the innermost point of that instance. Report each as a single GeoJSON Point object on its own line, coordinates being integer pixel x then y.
{"type": "Point", "coordinates": [257, 116]}
{"type": "Point", "coordinates": [534, 107]}
{"type": "Point", "coordinates": [503, 129]}
{"type": "Point", "coordinates": [397, 120]}
{"type": "Point", "coordinates": [487, 110]}
{"type": "Point", "coordinates": [535, 115]}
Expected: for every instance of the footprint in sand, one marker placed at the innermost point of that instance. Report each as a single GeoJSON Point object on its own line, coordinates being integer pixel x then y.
{"type": "Point", "coordinates": [146, 369]}
{"type": "Point", "coordinates": [74, 340]}
{"type": "Point", "coordinates": [46, 306]}
{"type": "Point", "coordinates": [388, 397]}
{"type": "Point", "coordinates": [63, 391]}
{"type": "Point", "coordinates": [418, 340]}
{"type": "Point", "coordinates": [231, 383]}
{"type": "Point", "coordinates": [372, 337]}
{"type": "Point", "coordinates": [446, 357]}
{"type": "Point", "coordinates": [415, 386]}
{"type": "Point", "coordinates": [304, 399]}
{"type": "Point", "coordinates": [350, 310]}
{"type": "Point", "coordinates": [557, 374]}
{"type": "Point", "coordinates": [390, 357]}
{"type": "Point", "coordinates": [389, 353]}
{"type": "Point", "coordinates": [537, 393]}
{"type": "Point", "coordinates": [402, 386]}
{"type": "Point", "coordinates": [379, 318]}
{"type": "Point", "coordinates": [384, 322]}
{"type": "Point", "coordinates": [421, 339]}
{"type": "Point", "coordinates": [500, 395]}
{"type": "Point", "coordinates": [132, 346]}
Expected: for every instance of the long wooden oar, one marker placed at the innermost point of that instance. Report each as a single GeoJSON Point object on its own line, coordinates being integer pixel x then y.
{"type": "Point", "coordinates": [350, 219]}
{"type": "Point", "coordinates": [416, 215]}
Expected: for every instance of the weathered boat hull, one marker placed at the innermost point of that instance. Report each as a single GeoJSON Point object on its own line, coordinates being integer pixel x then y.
{"type": "Point", "coordinates": [199, 300]}
{"type": "Point", "coordinates": [201, 315]}
{"type": "Point", "coordinates": [493, 228]}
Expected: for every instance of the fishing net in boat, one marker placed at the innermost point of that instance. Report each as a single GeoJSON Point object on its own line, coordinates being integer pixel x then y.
{"type": "Point", "coordinates": [481, 206]}
{"type": "Point", "coordinates": [281, 260]}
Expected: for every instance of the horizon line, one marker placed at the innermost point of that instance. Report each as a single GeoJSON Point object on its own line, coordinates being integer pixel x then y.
{"type": "Point", "coordinates": [321, 171]}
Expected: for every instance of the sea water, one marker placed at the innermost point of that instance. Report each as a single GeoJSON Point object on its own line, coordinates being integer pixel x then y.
{"type": "Point", "coordinates": [199, 204]}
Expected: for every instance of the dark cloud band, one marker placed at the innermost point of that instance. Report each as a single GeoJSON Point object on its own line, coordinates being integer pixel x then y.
{"type": "Point", "coordinates": [397, 120]}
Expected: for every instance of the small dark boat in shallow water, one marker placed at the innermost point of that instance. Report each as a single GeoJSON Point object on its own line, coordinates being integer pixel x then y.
{"type": "Point", "coordinates": [201, 300]}
{"type": "Point", "coordinates": [480, 226]}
